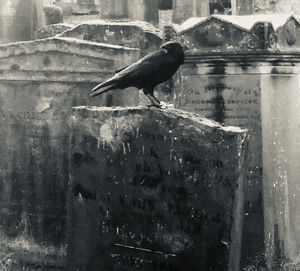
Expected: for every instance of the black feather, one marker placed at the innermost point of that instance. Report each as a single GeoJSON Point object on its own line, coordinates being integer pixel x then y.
{"type": "Point", "coordinates": [148, 72]}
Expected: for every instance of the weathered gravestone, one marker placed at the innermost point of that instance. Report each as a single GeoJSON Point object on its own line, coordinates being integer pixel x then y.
{"type": "Point", "coordinates": [53, 14]}
{"type": "Point", "coordinates": [40, 81]}
{"type": "Point", "coordinates": [19, 19]}
{"type": "Point", "coordinates": [236, 70]}
{"type": "Point", "coordinates": [130, 9]}
{"type": "Point", "coordinates": [140, 35]}
{"type": "Point", "coordinates": [51, 30]}
{"type": "Point", "coordinates": [85, 7]}
{"type": "Point", "coordinates": [184, 9]}
{"type": "Point", "coordinates": [113, 9]}
{"type": "Point", "coordinates": [267, 7]}
{"type": "Point", "coordinates": [144, 10]}
{"type": "Point", "coordinates": [154, 189]}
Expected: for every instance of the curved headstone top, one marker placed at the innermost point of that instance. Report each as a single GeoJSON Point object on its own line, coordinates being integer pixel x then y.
{"type": "Point", "coordinates": [147, 27]}
{"type": "Point", "coordinates": [238, 34]}
{"type": "Point", "coordinates": [136, 34]}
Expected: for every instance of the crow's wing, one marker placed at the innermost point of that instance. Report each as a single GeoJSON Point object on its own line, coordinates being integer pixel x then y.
{"type": "Point", "coordinates": [135, 74]}
{"type": "Point", "coordinates": [145, 67]}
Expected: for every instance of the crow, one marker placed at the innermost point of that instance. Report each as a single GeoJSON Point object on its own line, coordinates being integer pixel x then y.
{"type": "Point", "coordinates": [146, 73]}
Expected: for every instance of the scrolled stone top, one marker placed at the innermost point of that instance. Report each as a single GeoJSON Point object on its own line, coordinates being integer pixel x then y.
{"type": "Point", "coordinates": [239, 34]}
{"type": "Point", "coordinates": [245, 23]}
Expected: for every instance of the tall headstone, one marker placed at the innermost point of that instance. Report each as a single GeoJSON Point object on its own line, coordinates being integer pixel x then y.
{"type": "Point", "coordinates": [19, 19]}
{"type": "Point", "coordinates": [113, 9]}
{"type": "Point", "coordinates": [184, 9]}
{"type": "Point", "coordinates": [154, 190]}
{"type": "Point", "coordinates": [250, 88]}
{"type": "Point", "coordinates": [143, 10]}
{"type": "Point", "coordinates": [245, 7]}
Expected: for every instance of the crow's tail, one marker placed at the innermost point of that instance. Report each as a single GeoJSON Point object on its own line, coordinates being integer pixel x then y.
{"type": "Point", "coordinates": [103, 87]}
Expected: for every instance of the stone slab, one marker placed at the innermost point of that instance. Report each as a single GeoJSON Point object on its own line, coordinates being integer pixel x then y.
{"type": "Point", "coordinates": [154, 190]}
{"type": "Point", "coordinates": [259, 95]}
{"type": "Point", "coordinates": [133, 34]}
{"type": "Point", "coordinates": [232, 100]}
{"type": "Point", "coordinates": [19, 19]}
{"type": "Point", "coordinates": [40, 82]}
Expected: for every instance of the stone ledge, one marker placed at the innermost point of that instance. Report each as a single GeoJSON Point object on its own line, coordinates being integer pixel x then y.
{"type": "Point", "coordinates": [62, 44]}
{"type": "Point", "coordinates": [94, 111]}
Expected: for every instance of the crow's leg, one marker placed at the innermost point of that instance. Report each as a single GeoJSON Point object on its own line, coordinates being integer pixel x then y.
{"type": "Point", "coordinates": [149, 93]}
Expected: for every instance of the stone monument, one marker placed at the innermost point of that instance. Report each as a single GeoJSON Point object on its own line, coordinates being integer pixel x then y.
{"type": "Point", "coordinates": [244, 71]}
{"type": "Point", "coordinates": [184, 9]}
{"type": "Point", "coordinates": [143, 10]}
{"type": "Point", "coordinates": [19, 19]}
{"type": "Point", "coordinates": [40, 82]}
{"type": "Point", "coordinates": [154, 189]}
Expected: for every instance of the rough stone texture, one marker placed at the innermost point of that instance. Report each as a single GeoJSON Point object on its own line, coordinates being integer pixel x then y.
{"type": "Point", "coordinates": [267, 7]}
{"type": "Point", "coordinates": [85, 7]}
{"type": "Point", "coordinates": [113, 9]}
{"type": "Point", "coordinates": [66, 6]}
{"type": "Point", "coordinates": [19, 19]}
{"type": "Point", "coordinates": [184, 9]}
{"type": "Point", "coordinates": [245, 7]}
{"type": "Point", "coordinates": [130, 34]}
{"type": "Point", "coordinates": [51, 30]}
{"type": "Point", "coordinates": [154, 190]}
{"type": "Point", "coordinates": [40, 81]}
{"type": "Point", "coordinates": [250, 88]}
{"type": "Point", "coordinates": [281, 154]}
{"type": "Point", "coordinates": [143, 10]}
{"type": "Point", "coordinates": [238, 34]}
{"type": "Point", "coordinates": [54, 14]}
{"type": "Point", "coordinates": [218, 94]}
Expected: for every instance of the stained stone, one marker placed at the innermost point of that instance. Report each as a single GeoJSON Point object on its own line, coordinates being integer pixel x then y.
{"type": "Point", "coordinates": [19, 19]}
{"type": "Point", "coordinates": [251, 81]}
{"type": "Point", "coordinates": [39, 83]}
{"type": "Point", "coordinates": [154, 189]}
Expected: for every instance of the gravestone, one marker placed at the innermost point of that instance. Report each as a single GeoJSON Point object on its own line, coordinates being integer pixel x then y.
{"type": "Point", "coordinates": [144, 10]}
{"type": "Point", "coordinates": [113, 9]}
{"type": "Point", "coordinates": [135, 34]}
{"type": "Point", "coordinates": [184, 9]}
{"type": "Point", "coordinates": [245, 7]}
{"type": "Point", "coordinates": [267, 7]}
{"type": "Point", "coordinates": [53, 14]}
{"type": "Point", "coordinates": [19, 19]}
{"type": "Point", "coordinates": [234, 81]}
{"type": "Point", "coordinates": [40, 82]}
{"type": "Point", "coordinates": [154, 189]}
{"type": "Point", "coordinates": [51, 30]}
{"type": "Point", "coordinates": [85, 7]}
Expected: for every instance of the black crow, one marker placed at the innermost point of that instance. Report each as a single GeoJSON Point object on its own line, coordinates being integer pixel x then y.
{"type": "Point", "coordinates": [147, 73]}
